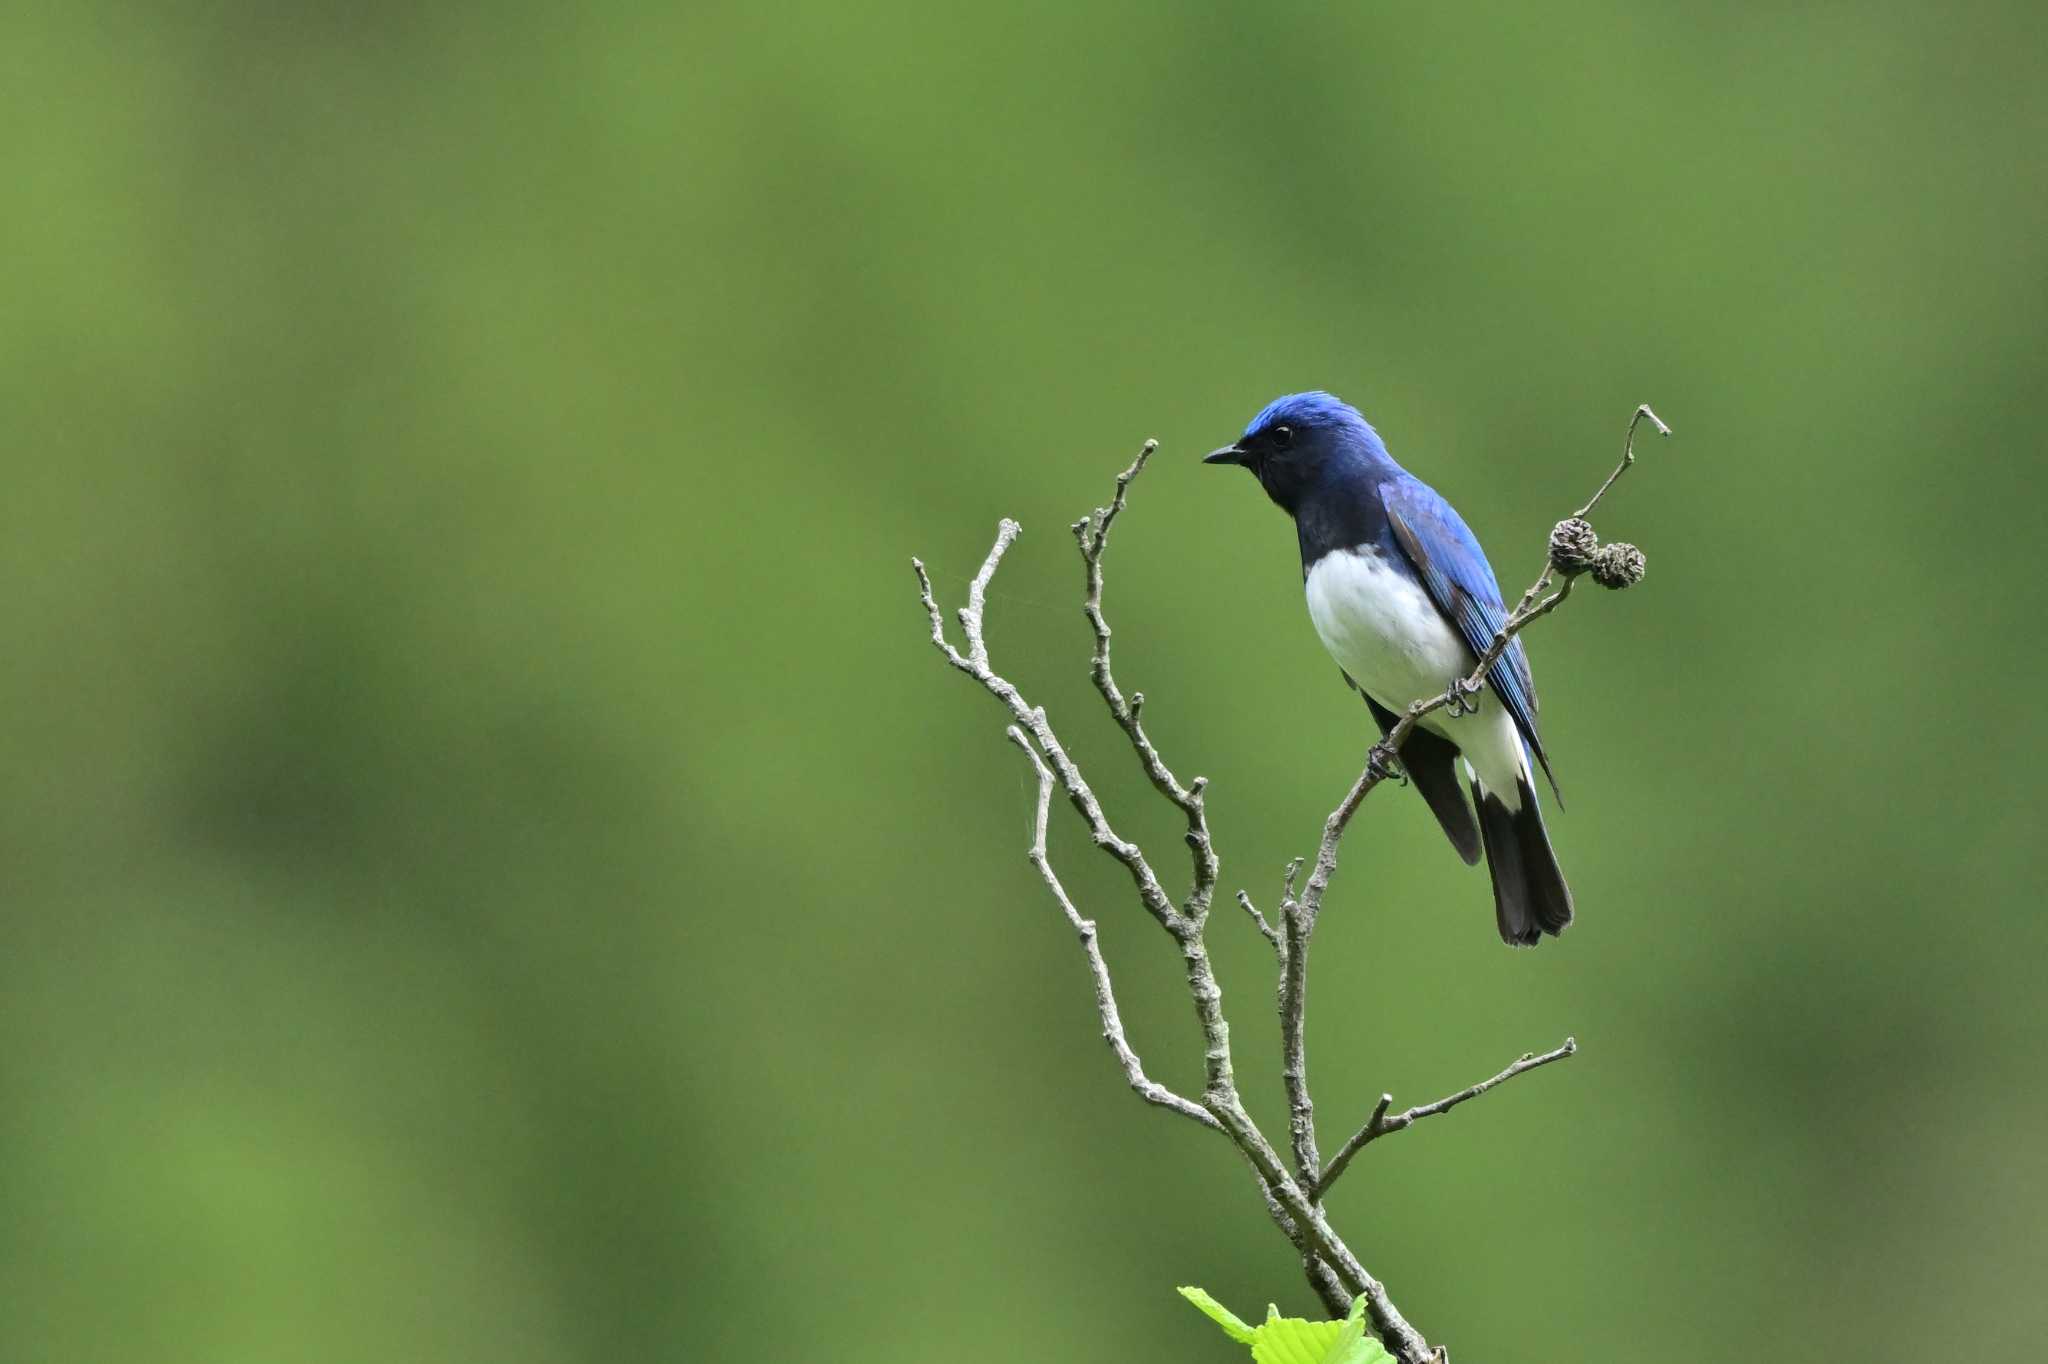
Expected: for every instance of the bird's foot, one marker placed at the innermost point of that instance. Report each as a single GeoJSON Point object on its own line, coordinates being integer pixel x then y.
{"type": "Point", "coordinates": [1385, 764]}
{"type": "Point", "coordinates": [1464, 697]}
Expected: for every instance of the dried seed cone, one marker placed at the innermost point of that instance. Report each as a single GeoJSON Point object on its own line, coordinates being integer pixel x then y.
{"type": "Point", "coordinates": [1618, 565]}
{"type": "Point", "coordinates": [1572, 545]}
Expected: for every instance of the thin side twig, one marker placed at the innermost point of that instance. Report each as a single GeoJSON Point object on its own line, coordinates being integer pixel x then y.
{"type": "Point", "coordinates": [1628, 455]}
{"type": "Point", "coordinates": [1091, 535]}
{"type": "Point", "coordinates": [1259, 921]}
{"type": "Point", "coordinates": [1032, 719]}
{"type": "Point", "coordinates": [1148, 1089]}
{"type": "Point", "coordinates": [1379, 1124]}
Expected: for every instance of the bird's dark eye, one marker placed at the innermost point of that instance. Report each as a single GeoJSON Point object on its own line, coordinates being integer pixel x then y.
{"type": "Point", "coordinates": [1283, 436]}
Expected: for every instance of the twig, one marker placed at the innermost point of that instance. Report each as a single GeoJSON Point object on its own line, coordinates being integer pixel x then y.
{"type": "Point", "coordinates": [1323, 1279]}
{"type": "Point", "coordinates": [1628, 456]}
{"type": "Point", "coordinates": [1259, 922]}
{"type": "Point", "coordinates": [1032, 719]}
{"type": "Point", "coordinates": [977, 592]}
{"type": "Point", "coordinates": [1091, 534]}
{"type": "Point", "coordinates": [1297, 926]}
{"type": "Point", "coordinates": [1379, 1124]}
{"type": "Point", "coordinates": [1311, 1233]}
{"type": "Point", "coordinates": [1151, 1091]}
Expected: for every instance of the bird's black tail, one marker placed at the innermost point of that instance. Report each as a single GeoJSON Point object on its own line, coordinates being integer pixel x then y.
{"type": "Point", "coordinates": [1530, 897]}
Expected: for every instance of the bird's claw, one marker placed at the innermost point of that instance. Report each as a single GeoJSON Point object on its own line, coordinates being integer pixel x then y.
{"type": "Point", "coordinates": [1385, 764]}
{"type": "Point", "coordinates": [1463, 697]}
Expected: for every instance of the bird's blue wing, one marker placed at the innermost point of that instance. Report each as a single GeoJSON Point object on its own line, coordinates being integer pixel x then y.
{"type": "Point", "coordinates": [1459, 580]}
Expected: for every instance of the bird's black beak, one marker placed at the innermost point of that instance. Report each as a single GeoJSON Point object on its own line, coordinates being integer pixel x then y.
{"type": "Point", "coordinates": [1229, 454]}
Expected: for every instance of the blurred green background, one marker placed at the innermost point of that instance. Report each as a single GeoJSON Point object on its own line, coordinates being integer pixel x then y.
{"type": "Point", "coordinates": [495, 871]}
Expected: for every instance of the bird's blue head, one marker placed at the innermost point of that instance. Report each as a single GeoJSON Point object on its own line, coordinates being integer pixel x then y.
{"type": "Point", "coordinates": [1298, 442]}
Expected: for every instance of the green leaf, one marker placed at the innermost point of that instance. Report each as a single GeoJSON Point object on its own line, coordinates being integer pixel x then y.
{"type": "Point", "coordinates": [1353, 1345]}
{"type": "Point", "coordinates": [1296, 1340]}
{"type": "Point", "coordinates": [1219, 1314]}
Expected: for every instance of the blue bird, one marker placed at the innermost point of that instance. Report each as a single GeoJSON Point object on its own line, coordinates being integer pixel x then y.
{"type": "Point", "coordinates": [1404, 600]}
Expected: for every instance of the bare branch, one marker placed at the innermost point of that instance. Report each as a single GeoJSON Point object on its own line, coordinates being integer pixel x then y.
{"type": "Point", "coordinates": [1259, 921]}
{"type": "Point", "coordinates": [1628, 456]}
{"type": "Point", "coordinates": [1105, 993]}
{"type": "Point", "coordinates": [1032, 719]}
{"type": "Point", "coordinates": [977, 591]}
{"type": "Point", "coordinates": [1266, 929]}
{"type": "Point", "coordinates": [1379, 1111]}
{"type": "Point", "coordinates": [1297, 1215]}
{"type": "Point", "coordinates": [1091, 534]}
{"type": "Point", "coordinates": [1379, 1124]}
{"type": "Point", "coordinates": [924, 585]}
{"type": "Point", "coordinates": [1185, 929]}
{"type": "Point", "coordinates": [1297, 926]}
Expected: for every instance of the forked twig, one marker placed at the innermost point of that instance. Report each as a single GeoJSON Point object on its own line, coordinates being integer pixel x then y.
{"type": "Point", "coordinates": [1098, 969]}
{"type": "Point", "coordinates": [1379, 1124]}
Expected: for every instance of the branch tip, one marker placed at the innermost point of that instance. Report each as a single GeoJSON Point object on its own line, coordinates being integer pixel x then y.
{"type": "Point", "coordinates": [1379, 1124]}
{"type": "Point", "coordinates": [1259, 921]}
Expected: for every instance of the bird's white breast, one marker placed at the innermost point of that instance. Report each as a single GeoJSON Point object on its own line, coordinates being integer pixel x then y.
{"type": "Point", "coordinates": [1383, 629]}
